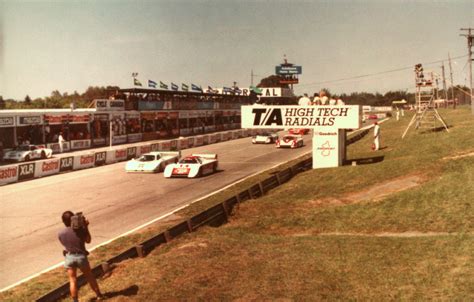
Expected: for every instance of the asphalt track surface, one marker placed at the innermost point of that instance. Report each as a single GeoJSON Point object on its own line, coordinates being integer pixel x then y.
{"type": "Point", "coordinates": [113, 201]}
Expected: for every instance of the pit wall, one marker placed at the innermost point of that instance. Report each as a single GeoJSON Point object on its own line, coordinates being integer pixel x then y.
{"type": "Point", "coordinates": [89, 159]}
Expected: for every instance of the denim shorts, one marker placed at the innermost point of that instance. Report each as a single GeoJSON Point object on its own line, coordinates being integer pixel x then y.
{"type": "Point", "coordinates": [75, 260]}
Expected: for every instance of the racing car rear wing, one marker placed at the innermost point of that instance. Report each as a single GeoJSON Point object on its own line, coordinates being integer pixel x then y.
{"type": "Point", "coordinates": [206, 156]}
{"type": "Point", "coordinates": [171, 153]}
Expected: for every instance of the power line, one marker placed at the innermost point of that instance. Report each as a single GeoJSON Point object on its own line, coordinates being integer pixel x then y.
{"type": "Point", "coordinates": [374, 74]}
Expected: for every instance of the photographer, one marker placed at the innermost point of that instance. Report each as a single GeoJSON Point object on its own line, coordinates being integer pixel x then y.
{"type": "Point", "coordinates": [73, 238]}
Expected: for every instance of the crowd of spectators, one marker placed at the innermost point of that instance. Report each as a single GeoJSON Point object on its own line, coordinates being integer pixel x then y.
{"type": "Point", "coordinates": [319, 99]}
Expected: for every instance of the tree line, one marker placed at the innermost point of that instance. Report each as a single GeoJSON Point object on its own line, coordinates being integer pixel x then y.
{"type": "Point", "coordinates": [83, 100]}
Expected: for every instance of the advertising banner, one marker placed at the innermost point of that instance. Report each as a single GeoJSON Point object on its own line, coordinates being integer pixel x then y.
{"type": "Point", "coordinates": [165, 146]}
{"type": "Point", "coordinates": [99, 142]}
{"type": "Point", "coordinates": [29, 120]}
{"type": "Point", "coordinates": [210, 128]}
{"type": "Point", "coordinates": [182, 143]}
{"type": "Point", "coordinates": [197, 130]}
{"type": "Point", "coordinates": [47, 167]}
{"type": "Point", "coordinates": [119, 139]}
{"type": "Point", "coordinates": [8, 174]}
{"type": "Point", "coordinates": [131, 152]}
{"type": "Point", "coordinates": [26, 171]}
{"type": "Point", "coordinates": [134, 137]}
{"type": "Point", "coordinates": [198, 140]}
{"type": "Point", "coordinates": [174, 145]}
{"type": "Point", "coordinates": [225, 136]}
{"type": "Point", "coordinates": [325, 148]}
{"type": "Point", "coordinates": [155, 147]}
{"type": "Point", "coordinates": [341, 117]}
{"type": "Point", "coordinates": [214, 138]}
{"type": "Point", "coordinates": [80, 144]}
{"type": "Point", "coordinates": [84, 161]}
{"type": "Point", "coordinates": [7, 121]}
{"type": "Point", "coordinates": [100, 158]}
{"type": "Point", "coordinates": [190, 142]}
{"type": "Point", "coordinates": [56, 149]}
{"type": "Point", "coordinates": [79, 118]}
{"type": "Point", "coordinates": [205, 139]}
{"type": "Point", "coordinates": [109, 105]}
{"type": "Point", "coordinates": [184, 131]}
{"type": "Point", "coordinates": [144, 149]}
{"type": "Point", "coordinates": [150, 105]}
{"type": "Point", "coordinates": [66, 164]}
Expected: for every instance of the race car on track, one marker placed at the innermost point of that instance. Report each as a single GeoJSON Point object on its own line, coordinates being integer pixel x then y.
{"type": "Point", "coordinates": [265, 138]}
{"type": "Point", "coordinates": [152, 162]}
{"type": "Point", "coordinates": [194, 165]}
{"type": "Point", "coordinates": [27, 152]}
{"type": "Point", "coordinates": [298, 131]}
{"type": "Point", "coordinates": [290, 141]}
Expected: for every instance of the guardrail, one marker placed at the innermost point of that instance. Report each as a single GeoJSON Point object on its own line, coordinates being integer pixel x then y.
{"type": "Point", "coordinates": [214, 216]}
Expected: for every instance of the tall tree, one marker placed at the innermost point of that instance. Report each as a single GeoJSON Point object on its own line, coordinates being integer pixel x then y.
{"type": "Point", "coordinates": [272, 81]}
{"type": "Point", "coordinates": [27, 100]}
{"type": "Point", "coordinates": [2, 103]}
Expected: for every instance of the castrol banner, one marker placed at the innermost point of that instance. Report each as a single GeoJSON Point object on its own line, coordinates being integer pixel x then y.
{"type": "Point", "coordinates": [56, 149]}
{"type": "Point", "coordinates": [47, 167]}
{"type": "Point", "coordinates": [8, 174]}
{"type": "Point", "coordinates": [236, 134]}
{"type": "Point", "coordinates": [84, 161]}
{"type": "Point", "coordinates": [120, 155]}
{"type": "Point", "coordinates": [144, 149]}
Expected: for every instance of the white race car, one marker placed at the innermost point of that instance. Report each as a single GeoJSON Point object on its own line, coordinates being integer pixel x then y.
{"type": "Point", "coordinates": [290, 141]}
{"type": "Point", "coordinates": [152, 162]}
{"type": "Point", "coordinates": [194, 165]}
{"type": "Point", "coordinates": [265, 138]}
{"type": "Point", "coordinates": [27, 152]}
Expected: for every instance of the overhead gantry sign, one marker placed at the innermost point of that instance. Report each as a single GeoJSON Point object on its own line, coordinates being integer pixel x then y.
{"type": "Point", "coordinates": [328, 122]}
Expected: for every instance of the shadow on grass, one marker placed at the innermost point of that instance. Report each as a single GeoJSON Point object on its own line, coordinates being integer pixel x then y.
{"type": "Point", "coordinates": [365, 161]}
{"type": "Point", "coordinates": [127, 292]}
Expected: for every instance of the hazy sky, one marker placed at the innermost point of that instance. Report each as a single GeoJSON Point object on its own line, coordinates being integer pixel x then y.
{"type": "Point", "coordinates": [70, 45]}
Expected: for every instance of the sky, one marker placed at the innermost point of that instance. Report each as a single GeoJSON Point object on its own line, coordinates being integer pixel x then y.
{"type": "Point", "coordinates": [70, 45]}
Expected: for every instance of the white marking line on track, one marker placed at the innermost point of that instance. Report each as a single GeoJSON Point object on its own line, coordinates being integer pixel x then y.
{"type": "Point", "coordinates": [138, 228]}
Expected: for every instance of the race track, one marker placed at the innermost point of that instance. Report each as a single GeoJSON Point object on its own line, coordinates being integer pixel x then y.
{"type": "Point", "coordinates": [113, 201]}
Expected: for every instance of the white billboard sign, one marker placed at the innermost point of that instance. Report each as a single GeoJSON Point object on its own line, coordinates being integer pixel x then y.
{"type": "Point", "coordinates": [339, 117]}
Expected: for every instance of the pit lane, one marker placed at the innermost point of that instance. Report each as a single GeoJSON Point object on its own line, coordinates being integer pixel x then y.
{"type": "Point", "coordinates": [112, 200]}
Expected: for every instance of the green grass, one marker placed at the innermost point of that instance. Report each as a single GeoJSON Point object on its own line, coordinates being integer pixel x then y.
{"type": "Point", "coordinates": [415, 244]}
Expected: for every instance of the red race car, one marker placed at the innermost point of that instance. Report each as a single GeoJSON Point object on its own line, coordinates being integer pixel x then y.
{"type": "Point", "coordinates": [301, 131]}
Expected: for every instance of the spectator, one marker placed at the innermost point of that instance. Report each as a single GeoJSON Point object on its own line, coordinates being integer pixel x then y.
{"type": "Point", "coordinates": [304, 100]}
{"type": "Point", "coordinates": [332, 102]}
{"type": "Point", "coordinates": [340, 102]}
{"type": "Point", "coordinates": [61, 142]}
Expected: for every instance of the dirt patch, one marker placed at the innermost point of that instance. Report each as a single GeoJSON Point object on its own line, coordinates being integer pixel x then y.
{"type": "Point", "coordinates": [191, 245]}
{"type": "Point", "coordinates": [375, 193]}
{"type": "Point", "coordinates": [408, 234]}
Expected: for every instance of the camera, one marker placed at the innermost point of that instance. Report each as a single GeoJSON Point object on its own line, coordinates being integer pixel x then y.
{"type": "Point", "coordinates": [78, 221]}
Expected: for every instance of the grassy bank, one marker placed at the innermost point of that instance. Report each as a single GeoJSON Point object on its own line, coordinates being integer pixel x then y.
{"type": "Point", "coordinates": [344, 233]}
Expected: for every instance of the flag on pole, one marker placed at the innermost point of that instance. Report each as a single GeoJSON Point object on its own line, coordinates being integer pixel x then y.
{"type": "Point", "coordinates": [136, 82]}
{"type": "Point", "coordinates": [152, 84]}
{"type": "Point", "coordinates": [210, 90]}
{"type": "Point", "coordinates": [196, 87]}
{"type": "Point", "coordinates": [237, 90]}
{"type": "Point", "coordinates": [227, 90]}
{"type": "Point", "coordinates": [256, 89]}
{"type": "Point", "coordinates": [174, 87]}
{"type": "Point", "coordinates": [184, 87]}
{"type": "Point", "coordinates": [163, 85]}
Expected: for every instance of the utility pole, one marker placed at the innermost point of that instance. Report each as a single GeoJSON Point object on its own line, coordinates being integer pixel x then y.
{"type": "Point", "coordinates": [470, 37]}
{"type": "Point", "coordinates": [452, 83]}
{"type": "Point", "coordinates": [444, 88]}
